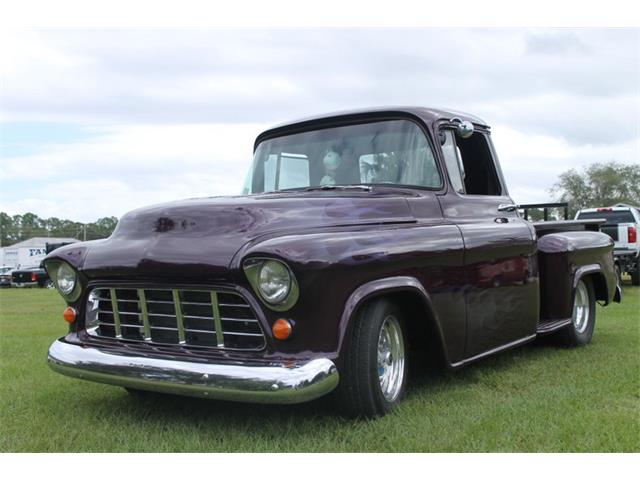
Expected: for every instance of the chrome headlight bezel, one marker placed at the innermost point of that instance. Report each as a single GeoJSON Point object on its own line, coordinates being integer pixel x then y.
{"type": "Point", "coordinates": [254, 269]}
{"type": "Point", "coordinates": [54, 268]}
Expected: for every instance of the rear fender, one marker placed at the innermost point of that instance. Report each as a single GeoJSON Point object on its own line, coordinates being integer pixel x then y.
{"type": "Point", "coordinates": [567, 257]}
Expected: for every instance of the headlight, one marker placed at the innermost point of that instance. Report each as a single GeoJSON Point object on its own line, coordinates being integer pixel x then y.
{"type": "Point", "coordinates": [273, 282]}
{"type": "Point", "coordinates": [66, 279]}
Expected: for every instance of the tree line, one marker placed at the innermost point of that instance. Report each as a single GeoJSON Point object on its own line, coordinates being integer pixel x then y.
{"type": "Point", "coordinates": [16, 228]}
{"type": "Point", "coordinates": [598, 185]}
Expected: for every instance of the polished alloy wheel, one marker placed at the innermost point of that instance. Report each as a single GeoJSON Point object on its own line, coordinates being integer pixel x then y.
{"type": "Point", "coordinates": [581, 308]}
{"type": "Point", "coordinates": [391, 358]}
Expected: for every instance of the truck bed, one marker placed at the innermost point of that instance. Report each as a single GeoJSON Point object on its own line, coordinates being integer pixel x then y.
{"type": "Point", "coordinates": [545, 228]}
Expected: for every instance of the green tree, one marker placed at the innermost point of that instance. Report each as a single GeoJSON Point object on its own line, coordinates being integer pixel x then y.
{"type": "Point", "coordinates": [599, 185]}
{"type": "Point", "coordinates": [16, 228]}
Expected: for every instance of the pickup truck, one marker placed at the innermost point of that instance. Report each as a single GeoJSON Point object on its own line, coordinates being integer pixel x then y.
{"type": "Point", "coordinates": [361, 238]}
{"type": "Point", "coordinates": [30, 277]}
{"type": "Point", "coordinates": [622, 224]}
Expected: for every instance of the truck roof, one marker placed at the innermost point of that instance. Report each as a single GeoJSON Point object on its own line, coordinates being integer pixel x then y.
{"type": "Point", "coordinates": [426, 114]}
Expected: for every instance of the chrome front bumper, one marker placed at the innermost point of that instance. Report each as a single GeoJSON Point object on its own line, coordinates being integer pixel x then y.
{"type": "Point", "coordinates": [268, 383]}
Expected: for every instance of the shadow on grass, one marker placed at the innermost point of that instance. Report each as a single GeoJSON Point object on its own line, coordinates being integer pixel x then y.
{"type": "Point", "coordinates": [131, 407]}
{"type": "Point", "coordinates": [423, 376]}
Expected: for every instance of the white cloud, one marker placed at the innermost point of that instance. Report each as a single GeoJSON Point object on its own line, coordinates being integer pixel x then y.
{"type": "Point", "coordinates": [174, 113]}
{"type": "Point", "coordinates": [532, 163]}
{"type": "Point", "coordinates": [128, 167]}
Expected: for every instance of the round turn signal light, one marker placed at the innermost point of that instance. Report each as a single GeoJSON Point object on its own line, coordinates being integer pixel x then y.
{"type": "Point", "coordinates": [69, 314]}
{"type": "Point", "coordinates": [281, 329]}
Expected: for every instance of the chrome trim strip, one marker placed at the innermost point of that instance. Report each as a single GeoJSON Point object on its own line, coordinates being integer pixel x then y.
{"type": "Point", "coordinates": [506, 346]}
{"type": "Point", "coordinates": [258, 383]}
{"type": "Point", "coordinates": [179, 318]}
{"type": "Point", "coordinates": [142, 301]}
{"type": "Point", "coordinates": [241, 334]}
{"type": "Point", "coordinates": [250, 320]}
{"type": "Point", "coordinates": [216, 319]}
{"type": "Point", "coordinates": [116, 314]}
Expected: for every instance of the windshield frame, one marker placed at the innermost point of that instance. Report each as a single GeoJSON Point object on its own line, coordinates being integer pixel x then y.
{"type": "Point", "coordinates": [352, 120]}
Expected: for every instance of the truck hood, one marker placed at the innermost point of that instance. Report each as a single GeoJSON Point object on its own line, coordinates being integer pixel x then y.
{"type": "Point", "coordinates": [199, 238]}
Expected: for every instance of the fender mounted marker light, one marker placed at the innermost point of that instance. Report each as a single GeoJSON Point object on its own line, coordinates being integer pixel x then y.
{"type": "Point", "coordinates": [281, 329]}
{"type": "Point", "coordinates": [69, 314]}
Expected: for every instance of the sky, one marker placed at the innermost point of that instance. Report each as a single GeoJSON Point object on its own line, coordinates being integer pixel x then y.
{"type": "Point", "coordinates": [97, 123]}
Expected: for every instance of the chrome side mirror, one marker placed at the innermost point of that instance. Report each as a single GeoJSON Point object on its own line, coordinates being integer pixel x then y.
{"type": "Point", "coordinates": [464, 129]}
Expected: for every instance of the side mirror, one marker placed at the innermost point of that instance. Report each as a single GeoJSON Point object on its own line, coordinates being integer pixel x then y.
{"type": "Point", "coordinates": [464, 129]}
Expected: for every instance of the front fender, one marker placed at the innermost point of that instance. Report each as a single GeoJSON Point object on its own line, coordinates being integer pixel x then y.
{"type": "Point", "coordinates": [337, 269]}
{"type": "Point", "coordinates": [381, 287]}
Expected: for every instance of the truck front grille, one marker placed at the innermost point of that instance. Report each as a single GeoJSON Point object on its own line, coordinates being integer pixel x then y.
{"type": "Point", "coordinates": [184, 317]}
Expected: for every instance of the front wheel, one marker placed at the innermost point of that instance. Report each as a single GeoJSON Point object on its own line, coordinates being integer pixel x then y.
{"type": "Point", "coordinates": [374, 376]}
{"type": "Point", "coordinates": [583, 319]}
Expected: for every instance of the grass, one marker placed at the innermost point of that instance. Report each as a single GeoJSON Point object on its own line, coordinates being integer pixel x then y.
{"type": "Point", "coordinates": [536, 398]}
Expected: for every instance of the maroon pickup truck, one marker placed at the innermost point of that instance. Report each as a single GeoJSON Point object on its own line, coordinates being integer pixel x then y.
{"type": "Point", "coordinates": [360, 238]}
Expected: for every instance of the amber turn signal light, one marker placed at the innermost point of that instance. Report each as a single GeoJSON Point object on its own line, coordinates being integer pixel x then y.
{"type": "Point", "coordinates": [281, 329]}
{"type": "Point", "coordinates": [69, 314]}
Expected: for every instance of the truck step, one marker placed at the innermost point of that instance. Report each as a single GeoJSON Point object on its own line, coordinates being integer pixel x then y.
{"type": "Point", "coordinates": [548, 326]}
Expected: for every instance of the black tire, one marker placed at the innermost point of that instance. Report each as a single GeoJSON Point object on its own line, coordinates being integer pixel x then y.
{"type": "Point", "coordinates": [635, 275]}
{"type": "Point", "coordinates": [360, 392]}
{"type": "Point", "coordinates": [578, 333]}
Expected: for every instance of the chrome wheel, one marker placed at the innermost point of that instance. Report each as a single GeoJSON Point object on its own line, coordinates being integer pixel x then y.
{"type": "Point", "coordinates": [390, 358]}
{"type": "Point", "coordinates": [581, 306]}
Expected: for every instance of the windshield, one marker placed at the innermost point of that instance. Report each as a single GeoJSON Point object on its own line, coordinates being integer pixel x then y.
{"type": "Point", "coordinates": [388, 152]}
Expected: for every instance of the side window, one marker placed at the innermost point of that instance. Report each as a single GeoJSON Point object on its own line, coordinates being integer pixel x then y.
{"type": "Point", "coordinates": [294, 171]}
{"type": "Point", "coordinates": [287, 170]}
{"type": "Point", "coordinates": [479, 171]}
{"type": "Point", "coordinates": [453, 162]}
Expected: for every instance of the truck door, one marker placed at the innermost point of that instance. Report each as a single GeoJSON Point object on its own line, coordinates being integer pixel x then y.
{"type": "Point", "coordinates": [502, 292]}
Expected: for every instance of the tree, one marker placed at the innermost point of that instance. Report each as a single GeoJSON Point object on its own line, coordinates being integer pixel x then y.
{"type": "Point", "coordinates": [14, 229]}
{"type": "Point", "coordinates": [599, 185]}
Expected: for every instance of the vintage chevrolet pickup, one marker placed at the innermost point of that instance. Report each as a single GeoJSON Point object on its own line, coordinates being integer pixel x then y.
{"type": "Point", "coordinates": [361, 237]}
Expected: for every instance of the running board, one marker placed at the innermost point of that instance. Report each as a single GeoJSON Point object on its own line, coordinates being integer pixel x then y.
{"type": "Point", "coordinates": [552, 326]}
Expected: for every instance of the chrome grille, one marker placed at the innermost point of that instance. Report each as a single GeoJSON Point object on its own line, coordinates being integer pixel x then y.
{"type": "Point", "coordinates": [184, 317]}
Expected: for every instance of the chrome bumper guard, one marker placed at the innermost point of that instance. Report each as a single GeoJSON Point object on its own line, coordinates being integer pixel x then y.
{"type": "Point", "coordinates": [269, 383]}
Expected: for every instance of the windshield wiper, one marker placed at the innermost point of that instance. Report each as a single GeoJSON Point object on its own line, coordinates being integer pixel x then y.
{"type": "Point", "coordinates": [364, 188]}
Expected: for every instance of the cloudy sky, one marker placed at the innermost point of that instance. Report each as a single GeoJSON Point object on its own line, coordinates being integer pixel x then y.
{"type": "Point", "coordinates": [96, 123]}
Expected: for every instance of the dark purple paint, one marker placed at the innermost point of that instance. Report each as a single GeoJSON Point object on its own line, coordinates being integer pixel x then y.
{"type": "Point", "coordinates": [476, 272]}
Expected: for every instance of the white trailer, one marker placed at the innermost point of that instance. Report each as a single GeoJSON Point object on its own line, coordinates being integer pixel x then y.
{"type": "Point", "coordinates": [29, 253]}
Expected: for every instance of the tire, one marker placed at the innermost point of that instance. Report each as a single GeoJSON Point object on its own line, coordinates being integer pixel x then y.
{"type": "Point", "coordinates": [635, 275]}
{"type": "Point", "coordinates": [583, 317]}
{"type": "Point", "coordinates": [373, 379]}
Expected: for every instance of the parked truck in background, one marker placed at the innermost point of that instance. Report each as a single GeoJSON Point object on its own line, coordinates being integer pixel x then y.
{"type": "Point", "coordinates": [622, 224]}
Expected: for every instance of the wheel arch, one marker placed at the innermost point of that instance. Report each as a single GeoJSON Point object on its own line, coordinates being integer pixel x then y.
{"type": "Point", "coordinates": [596, 277]}
{"type": "Point", "coordinates": [412, 298]}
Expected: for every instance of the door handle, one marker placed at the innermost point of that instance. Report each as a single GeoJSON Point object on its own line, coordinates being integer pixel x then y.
{"type": "Point", "coordinates": [507, 207]}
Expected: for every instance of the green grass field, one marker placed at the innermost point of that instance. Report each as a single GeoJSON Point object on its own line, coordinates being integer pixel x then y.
{"type": "Point", "coordinates": [537, 398]}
